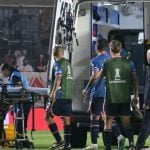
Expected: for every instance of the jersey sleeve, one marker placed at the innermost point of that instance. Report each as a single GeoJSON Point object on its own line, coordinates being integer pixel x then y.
{"type": "Point", "coordinates": [58, 70]}
{"type": "Point", "coordinates": [104, 68]}
{"type": "Point", "coordinates": [94, 65]}
{"type": "Point", "coordinates": [133, 68]}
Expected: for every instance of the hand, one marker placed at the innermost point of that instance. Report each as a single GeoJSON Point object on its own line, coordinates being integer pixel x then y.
{"type": "Point", "coordinates": [89, 107]}
{"type": "Point", "coordinates": [135, 100]}
{"type": "Point", "coordinates": [48, 106]}
{"type": "Point", "coordinates": [53, 96]}
{"type": "Point", "coordinates": [84, 93]}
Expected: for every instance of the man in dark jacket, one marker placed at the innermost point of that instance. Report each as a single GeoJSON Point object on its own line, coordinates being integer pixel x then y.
{"type": "Point", "coordinates": [145, 128]}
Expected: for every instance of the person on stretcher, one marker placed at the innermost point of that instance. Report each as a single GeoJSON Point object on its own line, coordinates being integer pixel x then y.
{"type": "Point", "coordinates": [17, 78]}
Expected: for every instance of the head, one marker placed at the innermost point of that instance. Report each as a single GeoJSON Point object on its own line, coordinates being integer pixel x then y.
{"type": "Point", "coordinates": [58, 52]}
{"type": "Point", "coordinates": [16, 81]}
{"type": "Point", "coordinates": [25, 62]}
{"type": "Point", "coordinates": [17, 53]}
{"type": "Point", "coordinates": [115, 47]}
{"type": "Point", "coordinates": [6, 69]}
{"type": "Point", "coordinates": [41, 56]}
{"type": "Point", "coordinates": [101, 45]}
{"type": "Point", "coordinates": [148, 56]}
{"type": "Point", "coordinates": [120, 38]}
{"type": "Point", "coordinates": [24, 52]}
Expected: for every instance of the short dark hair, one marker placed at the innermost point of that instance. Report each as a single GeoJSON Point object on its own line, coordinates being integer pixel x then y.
{"type": "Point", "coordinates": [57, 49]}
{"type": "Point", "coordinates": [102, 44]}
{"type": "Point", "coordinates": [16, 79]}
{"type": "Point", "coordinates": [115, 46]}
{"type": "Point", "coordinates": [8, 67]}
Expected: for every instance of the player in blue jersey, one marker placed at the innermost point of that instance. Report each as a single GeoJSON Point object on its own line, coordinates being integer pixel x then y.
{"type": "Point", "coordinates": [17, 78]}
{"type": "Point", "coordinates": [61, 99]}
{"type": "Point", "coordinates": [98, 91]}
{"type": "Point", "coordinates": [97, 94]}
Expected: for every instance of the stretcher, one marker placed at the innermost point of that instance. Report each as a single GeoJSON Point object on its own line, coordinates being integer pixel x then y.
{"type": "Point", "coordinates": [18, 95]}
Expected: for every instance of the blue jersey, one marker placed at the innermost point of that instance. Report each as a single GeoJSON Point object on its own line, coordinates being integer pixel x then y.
{"type": "Point", "coordinates": [97, 63]}
{"type": "Point", "coordinates": [57, 71]}
{"type": "Point", "coordinates": [123, 53]}
{"type": "Point", "coordinates": [23, 78]}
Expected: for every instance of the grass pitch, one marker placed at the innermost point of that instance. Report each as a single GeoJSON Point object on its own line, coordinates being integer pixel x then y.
{"type": "Point", "coordinates": [43, 139]}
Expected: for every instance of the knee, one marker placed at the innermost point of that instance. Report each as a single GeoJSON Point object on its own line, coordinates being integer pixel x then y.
{"type": "Point", "coordinates": [94, 117]}
{"type": "Point", "coordinates": [66, 120]}
{"type": "Point", "coordinates": [126, 124]}
{"type": "Point", "coordinates": [108, 123]}
{"type": "Point", "coordinates": [48, 118]}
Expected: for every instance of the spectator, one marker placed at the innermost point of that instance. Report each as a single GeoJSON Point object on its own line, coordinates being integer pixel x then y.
{"type": "Point", "coordinates": [26, 67]}
{"type": "Point", "coordinates": [19, 58]}
{"type": "Point", "coordinates": [8, 57]}
{"type": "Point", "coordinates": [41, 64]}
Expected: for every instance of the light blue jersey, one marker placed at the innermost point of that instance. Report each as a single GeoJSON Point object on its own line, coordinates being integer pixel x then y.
{"type": "Point", "coordinates": [97, 63]}
{"type": "Point", "coordinates": [24, 80]}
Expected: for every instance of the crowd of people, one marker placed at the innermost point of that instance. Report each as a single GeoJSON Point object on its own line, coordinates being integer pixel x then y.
{"type": "Point", "coordinates": [20, 60]}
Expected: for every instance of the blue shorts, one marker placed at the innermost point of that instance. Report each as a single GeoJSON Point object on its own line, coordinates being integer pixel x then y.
{"type": "Point", "coordinates": [97, 105]}
{"type": "Point", "coordinates": [62, 107]}
{"type": "Point", "coordinates": [117, 109]}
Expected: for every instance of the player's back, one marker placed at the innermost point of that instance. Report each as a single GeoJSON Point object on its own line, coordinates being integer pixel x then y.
{"type": "Point", "coordinates": [98, 62]}
{"type": "Point", "coordinates": [118, 80]}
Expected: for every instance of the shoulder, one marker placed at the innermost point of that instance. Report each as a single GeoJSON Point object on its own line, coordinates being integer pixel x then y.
{"type": "Point", "coordinates": [95, 59]}
{"type": "Point", "coordinates": [16, 72]}
{"type": "Point", "coordinates": [124, 53]}
{"type": "Point", "coordinates": [57, 63]}
{"type": "Point", "coordinates": [105, 56]}
{"type": "Point", "coordinates": [108, 55]}
{"type": "Point", "coordinates": [56, 66]}
{"type": "Point", "coordinates": [62, 61]}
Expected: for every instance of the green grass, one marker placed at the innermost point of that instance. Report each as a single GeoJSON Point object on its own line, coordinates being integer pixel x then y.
{"type": "Point", "coordinates": [43, 139]}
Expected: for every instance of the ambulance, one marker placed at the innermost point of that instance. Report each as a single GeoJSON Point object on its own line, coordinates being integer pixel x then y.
{"type": "Point", "coordinates": [77, 25]}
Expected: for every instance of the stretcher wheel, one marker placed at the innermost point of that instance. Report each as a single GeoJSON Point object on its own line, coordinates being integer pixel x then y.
{"type": "Point", "coordinates": [18, 145]}
{"type": "Point", "coordinates": [28, 144]}
{"type": "Point", "coordinates": [31, 145]}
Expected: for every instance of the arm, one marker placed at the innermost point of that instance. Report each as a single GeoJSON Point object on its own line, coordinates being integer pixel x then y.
{"type": "Point", "coordinates": [58, 73]}
{"type": "Point", "coordinates": [135, 87]}
{"type": "Point", "coordinates": [135, 83]}
{"type": "Point", "coordinates": [55, 87]}
{"type": "Point", "coordinates": [94, 77]}
{"type": "Point", "coordinates": [97, 70]}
